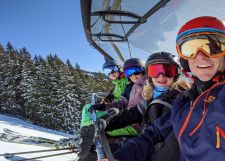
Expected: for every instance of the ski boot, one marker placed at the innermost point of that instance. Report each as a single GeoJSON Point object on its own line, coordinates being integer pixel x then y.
{"type": "Point", "coordinates": [87, 136]}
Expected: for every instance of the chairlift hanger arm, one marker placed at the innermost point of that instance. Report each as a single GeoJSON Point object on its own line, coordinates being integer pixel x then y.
{"type": "Point", "coordinates": [106, 13]}
{"type": "Point", "coordinates": [101, 36]}
{"type": "Point", "coordinates": [137, 23]}
{"type": "Point", "coordinates": [85, 9]}
{"type": "Point", "coordinates": [159, 5]}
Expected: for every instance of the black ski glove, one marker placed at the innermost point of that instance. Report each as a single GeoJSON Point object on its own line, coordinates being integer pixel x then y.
{"type": "Point", "coordinates": [97, 106]}
{"type": "Point", "coordinates": [109, 98]}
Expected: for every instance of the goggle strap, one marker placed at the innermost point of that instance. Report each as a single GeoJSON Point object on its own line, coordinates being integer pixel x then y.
{"type": "Point", "coordinates": [198, 30]}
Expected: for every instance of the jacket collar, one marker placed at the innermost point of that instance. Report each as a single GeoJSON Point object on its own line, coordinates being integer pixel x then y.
{"type": "Point", "coordinates": [200, 86]}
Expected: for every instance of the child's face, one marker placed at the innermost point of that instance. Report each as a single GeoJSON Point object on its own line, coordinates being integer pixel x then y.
{"type": "Point", "coordinates": [163, 81]}
{"type": "Point", "coordinates": [135, 77]}
{"type": "Point", "coordinates": [114, 75]}
{"type": "Point", "coordinates": [205, 67]}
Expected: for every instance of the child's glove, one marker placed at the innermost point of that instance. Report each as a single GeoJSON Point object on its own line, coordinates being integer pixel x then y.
{"type": "Point", "coordinates": [97, 106]}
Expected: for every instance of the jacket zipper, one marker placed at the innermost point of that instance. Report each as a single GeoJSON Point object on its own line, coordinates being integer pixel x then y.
{"type": "Point", "coordinates": [219, 132]}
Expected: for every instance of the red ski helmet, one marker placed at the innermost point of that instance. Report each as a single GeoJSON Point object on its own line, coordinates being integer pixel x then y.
{"type": "Point", "coordinates": [200, 24]}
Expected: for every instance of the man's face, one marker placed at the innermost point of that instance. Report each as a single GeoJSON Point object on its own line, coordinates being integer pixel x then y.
{"type": "Point", "coordinates": [205, 67]}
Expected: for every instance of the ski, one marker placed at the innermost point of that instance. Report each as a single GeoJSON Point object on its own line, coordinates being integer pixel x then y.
{"type": "Point", "coordinates": [15, 137]}
{"type": "Point", "coordinates": [10, 132]}
{"type": "Point", "coordinates": [19, 139]}
{"type": "Point", "coordinates": [6, 130]}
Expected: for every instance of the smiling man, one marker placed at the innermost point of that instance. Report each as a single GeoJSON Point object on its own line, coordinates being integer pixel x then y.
{"type": "Point", "coordinates": [197, 116]}
{"type": "Point", "coordinates": [197, 120]}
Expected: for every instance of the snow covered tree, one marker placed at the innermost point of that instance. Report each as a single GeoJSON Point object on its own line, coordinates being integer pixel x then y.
{"type": "Point", "coordinates": [41, 95]}
{"type": "Point", "coordinates": [28, 85]}
{"type": "Point", "coordinates": [11, 100]}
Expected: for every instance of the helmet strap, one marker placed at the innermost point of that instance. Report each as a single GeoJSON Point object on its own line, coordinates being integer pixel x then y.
{"type": "Point", "coordinates": [121, 75]}
{"type": "Point", "coordinates": [188, 75]}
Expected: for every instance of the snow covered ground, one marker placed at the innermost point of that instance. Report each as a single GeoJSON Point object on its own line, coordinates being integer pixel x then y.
{"type": "Point", "coordinates": [23, 127]}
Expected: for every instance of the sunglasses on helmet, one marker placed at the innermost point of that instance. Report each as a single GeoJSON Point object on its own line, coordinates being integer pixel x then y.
{"type": "Point", "coordinates": [133, 71]}
{"type": "Point", "coordinates": [211, 44]}
{"type": "Point", "coordinates": [112, 69]}
{"type": "Point", "coordinates": [169, 70]}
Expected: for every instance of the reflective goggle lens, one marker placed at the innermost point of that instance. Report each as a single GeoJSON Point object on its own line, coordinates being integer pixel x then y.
{"type": "Point", "coordinates": [169, 70]}
{"type": "Point", "coordinates": [213, 45]}
{"type": "Point", "coordinates": [133, 71]}
{"type": "Point", "coordinates": [107, 71]}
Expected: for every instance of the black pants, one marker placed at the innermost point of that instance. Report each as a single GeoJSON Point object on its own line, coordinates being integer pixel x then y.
{"type": "Point", "coordinates": [167, 151]}
{"type": "Point", "coordinates": [92, 156]}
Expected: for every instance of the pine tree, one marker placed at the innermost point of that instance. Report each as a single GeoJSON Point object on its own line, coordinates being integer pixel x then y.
{"type": "Point", "coordinates": [69, 102]}
{"type": "Point", "coordinates": [28, 85]}
{"type": "Point", "coordinates": [42, 93]}
{"type": "Point", "coordinates": [9, 48]}
{"type": "Point", "coordinates": [2, 50]}
{"type": "Point", "coordinates": [11, 100]}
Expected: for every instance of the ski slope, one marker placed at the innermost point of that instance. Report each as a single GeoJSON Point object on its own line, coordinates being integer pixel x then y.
{"type": "Point", "coordinates": [26, 128]}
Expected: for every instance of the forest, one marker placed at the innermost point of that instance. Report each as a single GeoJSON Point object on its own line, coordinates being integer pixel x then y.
{"type": "Point", "coordinates": [46, 91]}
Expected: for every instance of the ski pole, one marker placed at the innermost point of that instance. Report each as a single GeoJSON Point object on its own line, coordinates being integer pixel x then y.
{"type": "Point", "coordinates": [102, 146]}
{"type": "Point", "coordinates": [37, 151]}
{"type": "Point", "coordinates": [99, 148]}
{"type": "Point", "coordinates": [46, 156]}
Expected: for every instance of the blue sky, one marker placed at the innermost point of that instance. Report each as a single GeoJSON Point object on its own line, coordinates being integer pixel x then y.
{"type": "Point", "coordinates": [48, 26]}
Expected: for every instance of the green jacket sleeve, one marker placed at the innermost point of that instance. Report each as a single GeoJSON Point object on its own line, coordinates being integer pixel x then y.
{"type": "Point", "coordinates": [86, 115]}
{"type": "Point", "coordinates": [119, 87]}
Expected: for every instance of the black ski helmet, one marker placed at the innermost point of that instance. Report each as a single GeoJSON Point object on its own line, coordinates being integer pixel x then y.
{"type": "Point", "coordinates": [110, 63]}
{"type": "Point", "coordinates": [133, 62]}
{"type": "Point", "coordinates": [163, 57]}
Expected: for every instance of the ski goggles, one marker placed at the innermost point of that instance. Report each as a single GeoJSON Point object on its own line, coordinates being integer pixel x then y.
{"type": "Point", "coordinates": [169, 70]}
{"type": "Point", "coordinates": [133, 71]}
{"type": "Point", "coordinates": [211, 44]}
{"type": "Point", "coordinates": [107, 71]}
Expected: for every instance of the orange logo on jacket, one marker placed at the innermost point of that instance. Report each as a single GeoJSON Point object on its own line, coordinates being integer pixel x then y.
{"type": "Point", "coordinates": [211, 99]}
